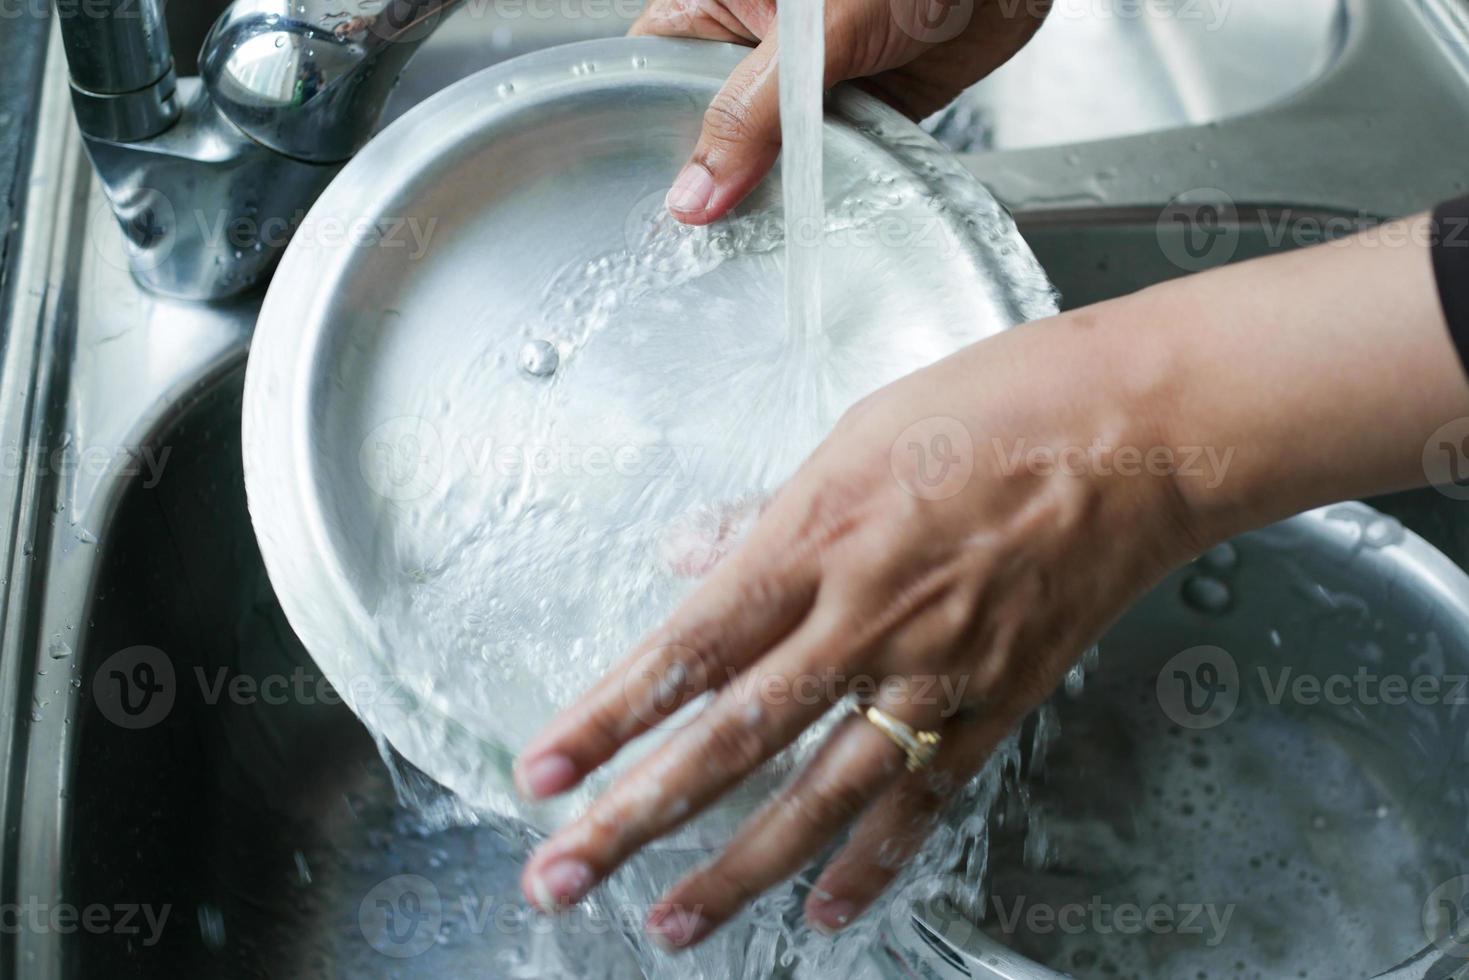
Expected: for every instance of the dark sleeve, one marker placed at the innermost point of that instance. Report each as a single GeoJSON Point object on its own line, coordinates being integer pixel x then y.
{"type": "Point", "coordinates": [1451, 269]}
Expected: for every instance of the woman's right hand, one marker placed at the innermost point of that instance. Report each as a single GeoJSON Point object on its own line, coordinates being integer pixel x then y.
{"type": "Point", "coordinates": [916, 55]}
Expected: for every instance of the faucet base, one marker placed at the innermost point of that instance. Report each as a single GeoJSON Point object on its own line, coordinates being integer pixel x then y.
{"type": "Point", "coordinates": [205, 211]}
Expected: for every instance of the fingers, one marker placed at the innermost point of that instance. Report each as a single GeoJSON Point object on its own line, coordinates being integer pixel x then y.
{"type": "Point", "coordinates": [894, 829]}
{"type": "Point", "coordinates": [740, 730]}
{"type": "Point", "coordinates": [738, 145]}
{"type": "Point", "coordinates": [749, 604]}
{"type": "Point", "coordinates": [705, 21]}
{"type": "Point", "coordinates": [853, 767]}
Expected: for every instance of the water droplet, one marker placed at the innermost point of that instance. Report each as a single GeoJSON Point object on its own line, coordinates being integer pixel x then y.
{"type": "Point", "coordinates": [1220, 558]}
{"type": "Point", "coordinates": [1382, 532]}
{"type": "Point", "coordinates": [539, 358]}
{"type": "Point", "coordinates": [1076, 681]}
{"type": "Point", "coordinates": [211, 926]}
{"type": "Point", "coordinates": [303, 870]}
{"type": "Point", "coordinates": [1206, 594]}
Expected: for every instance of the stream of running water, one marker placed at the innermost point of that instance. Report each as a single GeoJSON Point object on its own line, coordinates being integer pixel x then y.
{"type": "Point", "coordinates": [802, 61]}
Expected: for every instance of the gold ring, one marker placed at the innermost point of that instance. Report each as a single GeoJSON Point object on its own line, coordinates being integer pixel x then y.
{"type": "Point", "coordinates": [918, 747]}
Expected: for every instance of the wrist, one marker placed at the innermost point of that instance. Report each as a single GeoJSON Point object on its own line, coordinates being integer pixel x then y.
{"type": "Point", "coordinates": [1299, 380]}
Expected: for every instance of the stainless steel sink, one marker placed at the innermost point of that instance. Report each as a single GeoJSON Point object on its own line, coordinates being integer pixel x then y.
{"type": "Point", "coordinates": [1101, 69]}
{"type": "Point", "coordinates": [1098, 69]}
{"type": "Point", "coordinates": [260, 816]}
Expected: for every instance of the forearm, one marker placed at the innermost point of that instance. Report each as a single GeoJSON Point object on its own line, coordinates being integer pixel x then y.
{"type": "Point", "coordinates": [1319, 374]}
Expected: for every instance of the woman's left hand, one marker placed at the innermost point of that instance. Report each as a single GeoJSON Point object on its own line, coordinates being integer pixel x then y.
{"type": "Point", "coordinates": [925, 559]}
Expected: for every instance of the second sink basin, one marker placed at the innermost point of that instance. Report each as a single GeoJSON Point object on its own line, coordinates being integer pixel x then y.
{"type": "Point", "coordinates": [1097, 69]}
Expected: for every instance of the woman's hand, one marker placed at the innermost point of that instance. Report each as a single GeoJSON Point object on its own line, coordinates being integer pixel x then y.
{"type": "Point", "coordinates": [917, 55]}
{"type": "Point", "coordinates": [966, 532]}
{"type": "Point", "coordinates": [946, 554]}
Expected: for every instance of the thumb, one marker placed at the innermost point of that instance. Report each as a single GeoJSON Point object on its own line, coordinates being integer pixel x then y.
{"type": "Point", "coordinates": [738, 145]}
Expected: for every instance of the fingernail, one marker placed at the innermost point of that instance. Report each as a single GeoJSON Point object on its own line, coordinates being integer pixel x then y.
{"type": "Point", "coordinates": [831, 917]}
{"type": "Point", "coordinates": [561, 883]}
{"type": "Point", "coordinates": [544, 776]}
{"type": "Point", "coordinates": [675, 928]}
{"type": "Point", "coordinates": [690, 193]}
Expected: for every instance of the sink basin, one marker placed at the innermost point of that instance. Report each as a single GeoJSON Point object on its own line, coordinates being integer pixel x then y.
{"type": "Point", "coordinates": [1100, 70]}
{"type": "Point", "coordinates": [169, 747]}
{"type": "Point", "coordinates": [1169, 63]}
{"type": "Point", "coordinates": [1269, 762]}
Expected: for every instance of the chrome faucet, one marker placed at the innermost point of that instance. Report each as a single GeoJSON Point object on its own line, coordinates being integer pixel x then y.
{"type": "Point", "coordinates": [209, 176]}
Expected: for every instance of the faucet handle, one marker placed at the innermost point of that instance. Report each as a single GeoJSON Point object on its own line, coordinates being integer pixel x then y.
{"type": "Point", "coordinates": [309, 78]}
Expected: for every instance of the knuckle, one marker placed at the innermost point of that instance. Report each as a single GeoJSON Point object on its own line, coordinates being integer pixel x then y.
{"type": "Point", "coordinates": [604, 727]}
{"type": "Point", "coordinates": [733, 888]}
{"type": "Point", "coordinates": [866, 409]}
{"type": "Point", "coordinates": [737, 745]}
{"type": "Point", "coordinates": [699, 651]}
{"type": "Point", "coordinates": [828, 802]}
{"type": "Point", "coordinates": [729, 121]}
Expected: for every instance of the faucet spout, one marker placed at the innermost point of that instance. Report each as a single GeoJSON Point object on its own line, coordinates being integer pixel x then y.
{"type": "Point", "coordinates": [210, 176]}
